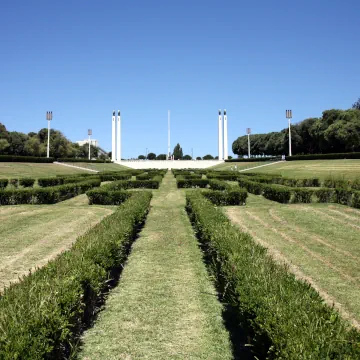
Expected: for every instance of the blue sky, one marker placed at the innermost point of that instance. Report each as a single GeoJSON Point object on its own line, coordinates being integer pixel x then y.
{"type": "Point", "coordinates": [82, 59]}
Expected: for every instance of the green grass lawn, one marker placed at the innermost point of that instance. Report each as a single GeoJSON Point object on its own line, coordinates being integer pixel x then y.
{"type": "Point", "coordinates": [31, 235]}
{"type": "Point", "coordinates": [319, 241]}
{"type": "Point", "coordinates": [35, 170]}
{"type": "Point", "coordinates": [240, 165]}
{"type": "Point", "coordinates": [349, 169]}
{"type": "Point", "coordinates": [165, 306]}
{"type": "Point", "coordinates": [99, 166]}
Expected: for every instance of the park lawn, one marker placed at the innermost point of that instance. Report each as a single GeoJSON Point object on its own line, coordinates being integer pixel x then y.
{"type": "Point", "coordinates": [35, 170]}
{"type": "Point", "coordinates": [99, 166]}
{"type": "Point", "coordinates": [31, 235]}
{"type": "Point", "coordinates": [240, 165]}
{"type": "Point", "coordinates": [347, 169]}
{"type": "Point", "coordinates": [165, 306]}
{"type": "Point", "coordinates": [320, 242]}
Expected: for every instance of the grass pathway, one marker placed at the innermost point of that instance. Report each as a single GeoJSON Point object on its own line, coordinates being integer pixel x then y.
{"type": "Point", "coordinates": [165, 306]}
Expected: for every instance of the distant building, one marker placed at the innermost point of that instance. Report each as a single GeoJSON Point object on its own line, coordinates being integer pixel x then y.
{"type": "Point", "coordinates": [93, 142]}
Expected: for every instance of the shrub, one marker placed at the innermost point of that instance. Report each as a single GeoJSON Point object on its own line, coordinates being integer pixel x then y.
{"type": "Point", "coordinates": [251, 186]}
{"type": "Point", "coordinates": [4, 183]}
{"type": "Point", "coordinates": [31, 159]}
{"type": "Point", "coordinates": [336, 183]}
{"type": "Point", "coordinates": [27, 182]}
{"type": "Point", "coordinates": [286, 318]}
{"type": "Point", "coordinates": [343, 196]}
{"type": "Point", "coordinates": [14, 182]}
{"type": "Point", "coordinates": [233, 196]}
{"type": "Point", "coordinates": [281, 194]}
{"type": "Point", "coordinates": [219, 185]}
{"type": "Point", "coordinates": [353, 155]}
{"type": "Point", "coordinates": [53, 181]}
{"type": "Point", "coordinates": [47, 195]}
{"type": "Point", "coordinates": [356, 200]}
{"type": "Point", "coordinates": [192, 183]}
{"type": "Point", "coordinates": [113, 177]}
{"type": "Point", "coordinates": [302, 195]}
{"type": "Point", "coordinates": [97, 161]}
{"type": "Point", "coordinates": [324, 195]}
{"type": "Point", "coordinates": [43, 315]}
{"type": "Point", "coordinates": [100, 196]}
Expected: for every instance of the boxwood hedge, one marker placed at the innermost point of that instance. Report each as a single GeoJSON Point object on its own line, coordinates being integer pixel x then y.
{"type": "Point", "coordinates": [284, 317]}
{"type": "Point", "coordinates": [42, 316]}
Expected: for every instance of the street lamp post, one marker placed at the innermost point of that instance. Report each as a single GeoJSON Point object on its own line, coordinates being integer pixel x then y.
{"type": "Point", "coordinates": [89, 133]}
{"type": "Point", "coordinates": [248, 131]}
{"type": "Point", "coordinates": [48, 118]}
{"type": "Point", "coordinates": [289, 117]}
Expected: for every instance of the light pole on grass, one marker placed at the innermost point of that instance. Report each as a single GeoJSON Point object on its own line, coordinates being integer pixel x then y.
{"type": "Point", "coordinates": [48, 118]}
{"type": "Point", "coordinates": [89, 133]}
{"type": "Point", "coordinates": [248, 132]}
{"type": "Point", "coordinates": [289, 117]}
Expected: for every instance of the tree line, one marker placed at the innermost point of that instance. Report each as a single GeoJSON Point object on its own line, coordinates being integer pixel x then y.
{"type": "Point", "coordinates": [178, 155]}
{"type": "Point", "coordinates": [35, 144]}
{"type": "Point", "coordinates": [337, 131]}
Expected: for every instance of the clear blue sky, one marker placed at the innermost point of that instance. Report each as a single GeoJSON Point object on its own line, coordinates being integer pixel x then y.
{"type": "Point", "coordinates": [82, 59]}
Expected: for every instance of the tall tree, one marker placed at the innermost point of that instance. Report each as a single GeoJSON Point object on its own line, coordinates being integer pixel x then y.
{"type": "Point", "coordinates": [356, 105]}
{"type": "Point", "coordinates": [178, 153]}
{"type": "Point", "coordinates": [151, 156]}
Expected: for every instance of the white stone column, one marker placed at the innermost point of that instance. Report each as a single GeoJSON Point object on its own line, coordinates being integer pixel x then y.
{"type": "Point", "coordinates": [118, 140]}
{"type": "Point", "coordinates": [113, 125]}
{"type": "Point", "coordinates": [220, 137]}
{"type": "Point", "coordinates": [225, 137]}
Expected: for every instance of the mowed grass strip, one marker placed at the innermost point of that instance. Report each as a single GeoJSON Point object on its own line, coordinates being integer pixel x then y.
{"type": "Point", "coordinates": [99, 166]}
{"type": "Point", "coordinates": [347, 169]}
{"type": "Point", "coordinates": [31, 235]}
{"type": "Point", "coordinates": [34, 170]}
{"type": "Point", "coordinates": [165, 306]}
{"type": "Point", "coordinates": [326, 252]}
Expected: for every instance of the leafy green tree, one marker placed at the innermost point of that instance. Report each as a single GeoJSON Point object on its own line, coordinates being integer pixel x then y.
{"type": "Point", "coordinates": [230, 157]}
{"type": "Point", "coordinates": [4, 134]}
{"type": "Point", "coordinates": [187, 157]}
{"type": "Point", "coordinates": [151, 156]}
{"type": "Point", "coordinates": [161, 157]}
{"type": "Point", "coordinates": [356, 105]}
{"type": "Point", "coordinates": [32, 146]}
{"type": "Point", "coordinates": [141, 157]}
{"type": "Point", "coordinates": [178, 153]}
{"type": "Point", "coordinates": [4, 144]}
{"type": "Point", "coordinates": [198, 158]}
{"type": "Point", "coordinates": [208, 157]}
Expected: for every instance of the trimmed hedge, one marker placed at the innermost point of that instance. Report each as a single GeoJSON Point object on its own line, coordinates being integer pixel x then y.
{"type": "Point", "coordinates": [14, 182]}
{"type": "Point", "coordinates": [251, 186]}
{"type": "Point", "coordinates": [271, 158]}
{"type": "Point", "coordinates": [189, 183]}
{"type": "Point", "coordinates": [50, 181]}
{"type": "Point", "coordinates": [43, 315]}
{"type": "Point", "coordinates": [48, 195]}
{"type": "Point", "coordinates": [233, 196]}
{"type": "Point", "coordinates": [83, 160]}
{"type": "Point", "coordinates": [281, 194]}
{"type": "Point", "coordinates": [113, 177]}
{"type": "Point", "coordinates": [324, 195]}
{"type": "Point", "coordinates": [354, 155]}
{"type": "Point", "coordinates": [302, 195]}
{"type": "Point", "coordinates": [4, 183]}
{"type": "Point", "coordinates": [31, 159]}
{"type": "Point", "coordinates": [27, 182]}
{"type": "Point", "coordinates": [219, 185]}
{"type": "Point", "coordinates": [100, 196]}
{"type": "Point", "coordinates": [286, 318]}
{"type": "Point", "coordinates": [356, 200]}
{"type": "Point", "coordinates": [134, 184]}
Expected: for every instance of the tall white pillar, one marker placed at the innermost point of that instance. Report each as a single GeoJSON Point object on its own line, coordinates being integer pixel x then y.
{"type": "Point", "coordinates": [118, 140]}
{"type": "Point", "coordinates": [220, 137]}
{"type": "Point", "coordinates": [225, 137]}
{"type": "Point", "coordinates": [113, 124]}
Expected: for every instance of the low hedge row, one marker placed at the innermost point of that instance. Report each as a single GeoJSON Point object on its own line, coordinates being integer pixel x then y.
{"type": "Point", "coordinates": [354, 155]}
{"type": "Point", "coordinates": [191, 183]}
{"type": "Point", "coordinates": [114, 177]}
{"type": "Point", "coordinates": [97, 161]}
{"type": "Point", "coordinates": [284, 317]}
{"type": "Point", "coordinates": [134, 184]}
{"type": "Point", "coordinates": [226, 177]}
{"type": "Point", "coordinates": [4, 183]}
{"type": "Point", "coordinates": [257, 159]}
{"type": "Point", "coordinates": [231, 196]}
{"type": "Point", "coordinates": [189, 176]}
{"type": "Point", "coordinates": [279, 193]}
{"type": "Point", "coordinates": [48, 195]}
{"type": "Point", "coordinates": [43, 315]}
{"type": "Point", "coordinates": [31, 159]}
{"type": "Point", "coordinates": [219, 185]}
{"type": "Point", "coordinates": [100, 196]}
